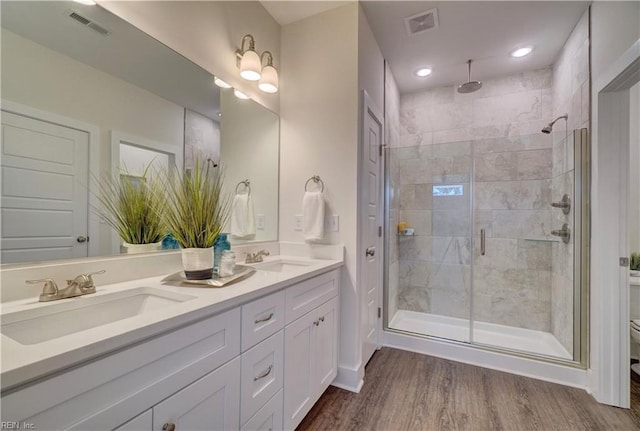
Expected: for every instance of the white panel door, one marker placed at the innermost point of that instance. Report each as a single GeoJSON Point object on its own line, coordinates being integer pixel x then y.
{"type": "Point", "coordinates": [45, 190]}
{"type": "Point", "coordinates": [210, 404]}
{"type": "Point", "coordinates": [370, 201]}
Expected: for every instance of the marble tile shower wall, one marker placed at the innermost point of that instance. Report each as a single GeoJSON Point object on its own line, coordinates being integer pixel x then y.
{"type": "Point", "coordinates": [570, 96]}
{"type": "Point", "coordinates": [496, 129]}
{"type": "Point", "coordinates": [392, 140]}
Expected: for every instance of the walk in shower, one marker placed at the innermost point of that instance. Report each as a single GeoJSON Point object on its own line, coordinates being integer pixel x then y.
{"type": "Point", "coordinates": [486, 227]}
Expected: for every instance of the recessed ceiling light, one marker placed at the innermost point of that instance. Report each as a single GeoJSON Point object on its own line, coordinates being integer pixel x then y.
{"type": "Point", "coordinates": [521, 52]}
{"type": "Point", "coordinates": [423, 72]}
{"type": "Point", "coordinates": [86, 2]}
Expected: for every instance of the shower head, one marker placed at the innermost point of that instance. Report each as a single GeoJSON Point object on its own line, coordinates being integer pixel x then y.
{"type": "Point", "coordinates": [549, 127]}
{"type": "Point", "coordinates": [469, 86]}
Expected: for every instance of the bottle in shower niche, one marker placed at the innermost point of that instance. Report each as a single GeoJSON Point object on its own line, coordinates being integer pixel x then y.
{"type": "Point", "coordinates": [221, 244]}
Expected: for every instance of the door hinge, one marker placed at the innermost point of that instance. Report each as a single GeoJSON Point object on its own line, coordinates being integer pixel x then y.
{"type": "Point", "coordinates": [379, 312]}
{"type": "Point", "coordinates": [380, 231]}
{"type": "Point", "coordinates": [624, 261]}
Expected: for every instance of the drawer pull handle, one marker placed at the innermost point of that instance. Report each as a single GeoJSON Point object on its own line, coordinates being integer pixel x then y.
{"type": "Point", "coordinates": [316, 322]}
{"type": "Point", "coordinates": [264, 319]}
{"type": "Point", "coordinates": [321, 318]}
{"type": "Point", "coordinates": [264, 374]}
{"type": "Point", "coordinates": [168, 427]}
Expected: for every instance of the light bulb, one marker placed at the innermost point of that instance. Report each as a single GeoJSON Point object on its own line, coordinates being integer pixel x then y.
{"type": "Point", "coordinates": [250, 66]}
{"type": "Point", "coordinates": [269, 80]}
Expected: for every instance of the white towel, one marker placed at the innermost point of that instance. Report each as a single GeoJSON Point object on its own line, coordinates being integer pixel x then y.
{"type": "Point", "coordinates": [313, 216]}
{"type": "Point", "coordinates": [243, 223]}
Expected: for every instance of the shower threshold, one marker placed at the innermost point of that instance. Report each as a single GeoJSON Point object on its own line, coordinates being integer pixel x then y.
{"type": "Point", "coordinates": [489, 334]}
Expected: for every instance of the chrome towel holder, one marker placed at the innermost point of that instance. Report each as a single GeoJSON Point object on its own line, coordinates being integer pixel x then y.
{"type": "Point", "coordinates": [316, 179]}
{"type": "Point", "coordinates": [246, 183]}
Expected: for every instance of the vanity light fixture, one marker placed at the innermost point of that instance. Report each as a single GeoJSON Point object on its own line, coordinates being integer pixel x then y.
{"type": "Point", "coordinates": [239, 94]}
{"type": "Point", "coordinates": [250, 64]}
{"type": "Point", "coordinates": [220, 83]}
{"type": "Point", "coordinates": [424, 72]}
{"type": "Point", "coordinates": [521, 52]}
{"type": "Point", "coordinates": [269, 79]}
{"type": "Point", "coordinates": [86, 2]}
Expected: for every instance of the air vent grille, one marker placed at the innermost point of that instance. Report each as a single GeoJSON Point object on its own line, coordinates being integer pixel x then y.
{"type": "Point", "coordinates": [88, 23]}
{"type": "Point", "coordinates": [422, 22]}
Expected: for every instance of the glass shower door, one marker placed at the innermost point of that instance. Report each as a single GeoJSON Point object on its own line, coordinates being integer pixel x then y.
{"type": "Point", "coordinates": [429, 261]}
{"type": "Point", "coordinates": [527, 296]}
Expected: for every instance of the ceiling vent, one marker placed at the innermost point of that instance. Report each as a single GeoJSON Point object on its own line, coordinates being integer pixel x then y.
{"type": "Point", "coordinates": [421, 22]}
{"type": "Point", "coordinates": [88, 23]}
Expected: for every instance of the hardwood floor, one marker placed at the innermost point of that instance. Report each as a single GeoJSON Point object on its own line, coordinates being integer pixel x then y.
{"type": "Point", "coordinates": [409, 391]}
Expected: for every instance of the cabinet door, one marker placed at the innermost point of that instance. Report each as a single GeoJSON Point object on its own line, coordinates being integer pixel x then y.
{"type": "Point", "coordinates": [211, 403]}
{"type": "Point", "coordinates": [326, 347]}
{"type": "Point", "coordinates": [143, 422]}
{"type": "Point", "coordinates": [299, 385]}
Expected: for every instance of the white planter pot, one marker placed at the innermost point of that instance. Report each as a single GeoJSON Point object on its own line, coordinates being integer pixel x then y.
{"type": "Point", "coordinates": [197, 263]}
{"type": "Point", "coordinates": [140, 248]}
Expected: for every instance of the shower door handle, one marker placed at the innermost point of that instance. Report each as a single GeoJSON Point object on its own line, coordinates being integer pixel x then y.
{"type": "Point", "coordinates": [482, 242]}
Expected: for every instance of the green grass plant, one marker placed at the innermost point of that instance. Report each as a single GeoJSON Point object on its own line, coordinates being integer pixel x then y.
{"type": "Point", "coordinates": [196, 209]}
{"type": "Point", "coordinates": [132, 206]}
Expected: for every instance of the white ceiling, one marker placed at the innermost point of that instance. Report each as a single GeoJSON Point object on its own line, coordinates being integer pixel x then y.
{"type": "Point", "coordinates": [484, 31]}
{"type": "Point", "coordinates": [286, 12]}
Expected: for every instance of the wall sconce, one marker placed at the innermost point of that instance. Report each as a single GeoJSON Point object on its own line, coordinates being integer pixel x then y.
{"type": "Point", "coordinates": [269, 79]}
{"type": "Point", "coordinates": [239, 94]}
{"type": "Point", "coordinates": [250, 64]}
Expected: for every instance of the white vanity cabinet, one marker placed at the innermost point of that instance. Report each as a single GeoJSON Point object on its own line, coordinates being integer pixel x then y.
{"type": "Point", "coordinates": [258, 366]}
{"type": "Point", "coordinates": [311, 349]}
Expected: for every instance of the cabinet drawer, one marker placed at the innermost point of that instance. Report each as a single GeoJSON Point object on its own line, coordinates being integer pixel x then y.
{"type": "Point", "coordinates": [262, 374]}
{"type": "Point", "coordinates": [261, 319]}
{"type": "Point", "coordinates": [143, 422]}
{"type": "Point", "coordinates": [309, 294]}
{"type": "Point", "coordinates": [269, 417]}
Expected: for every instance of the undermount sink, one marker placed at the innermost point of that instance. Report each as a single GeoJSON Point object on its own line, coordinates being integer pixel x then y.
{"type": "Point", "coordinates": [56, 320]}
{"type": "Point", "coordinates": [281, 265]}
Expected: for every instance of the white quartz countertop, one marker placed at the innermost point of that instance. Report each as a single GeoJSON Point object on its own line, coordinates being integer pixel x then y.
{"type": "Point", "coordinates": [23, 363]}
{"type": "Point", "coordinates": [634, 281]}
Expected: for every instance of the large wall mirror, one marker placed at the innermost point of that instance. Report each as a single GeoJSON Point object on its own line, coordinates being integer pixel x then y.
{"type": "Point", "coordinates": [84, 93]}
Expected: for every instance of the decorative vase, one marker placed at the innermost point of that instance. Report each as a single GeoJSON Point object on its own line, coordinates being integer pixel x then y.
{"type": "Point", "coordinates": [140, 248]}
{"type": "Point", "coordinates": [197, 263]}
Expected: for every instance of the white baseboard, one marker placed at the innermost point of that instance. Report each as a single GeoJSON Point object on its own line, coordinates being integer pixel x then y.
{"type": "Point", "coordinates": [349, 379]}
{"type": "Point", "coordinates": [555, 373]}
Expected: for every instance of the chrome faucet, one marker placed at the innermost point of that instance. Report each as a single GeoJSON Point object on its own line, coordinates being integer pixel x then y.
{"type": "Point", "coordinates": [81, 285]}
{"type": "Point", "coordinates": [256, 257]}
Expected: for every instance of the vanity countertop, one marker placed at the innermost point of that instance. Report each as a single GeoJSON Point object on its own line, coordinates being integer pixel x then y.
{"type": "Point", "coordinates": [23, 363]}
{"type": "Point", "coordinates": [634, 281]}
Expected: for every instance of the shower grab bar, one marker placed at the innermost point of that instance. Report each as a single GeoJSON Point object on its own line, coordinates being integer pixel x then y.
{"type": "Point", "coordinates": [482, 242]}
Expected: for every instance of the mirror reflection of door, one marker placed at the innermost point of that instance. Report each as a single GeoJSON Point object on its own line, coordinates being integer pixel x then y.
{"type": "Point", "coordinates": [44, 190]}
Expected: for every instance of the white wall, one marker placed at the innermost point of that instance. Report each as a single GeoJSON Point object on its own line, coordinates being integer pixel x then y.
{"type": "Point", "coordinates": [319, 117]}
{"type": "Point", "coordinates": [208, 33]}
{"type": "Point", "coordinates": [615, 26]}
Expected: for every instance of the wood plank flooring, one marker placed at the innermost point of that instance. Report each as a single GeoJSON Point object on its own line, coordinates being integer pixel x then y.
{"type": "Point", "coordinates": [409, 391]}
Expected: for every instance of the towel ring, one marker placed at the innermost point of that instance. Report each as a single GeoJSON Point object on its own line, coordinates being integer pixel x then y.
{"type": "Point", "coordinates": [316, 179]}
{"type": "Point", "coordinates": [247, 185]}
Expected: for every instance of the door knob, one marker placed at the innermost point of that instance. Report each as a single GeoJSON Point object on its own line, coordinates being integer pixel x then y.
{"type": "Point", "coordinates": [82, 239]}
{"type": "Point", "coordinates": [168, 427]}
{"type": "Point", "coordinates": [371, 251]}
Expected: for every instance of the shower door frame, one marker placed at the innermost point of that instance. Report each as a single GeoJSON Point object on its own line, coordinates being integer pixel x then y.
{"type": "Point", "coordinates": [582, 190]}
